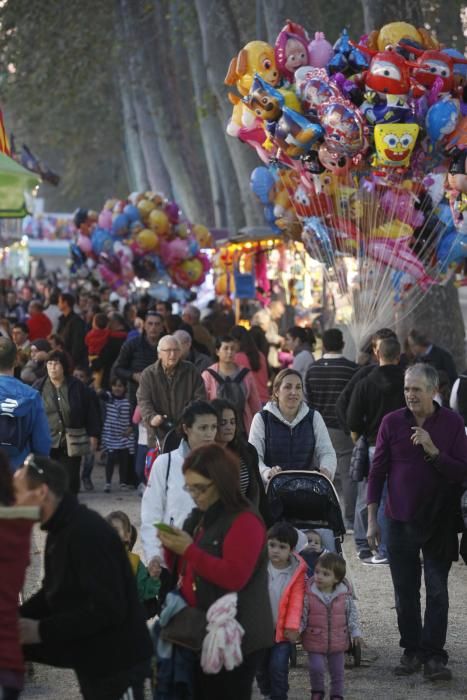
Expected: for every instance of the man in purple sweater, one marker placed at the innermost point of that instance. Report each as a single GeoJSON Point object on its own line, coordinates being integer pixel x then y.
{"type": "Point", "coordinates": [422, 451]}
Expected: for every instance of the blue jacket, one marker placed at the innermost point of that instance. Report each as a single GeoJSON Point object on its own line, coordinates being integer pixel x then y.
{"type": "Point", "coordinates": [21, 401]}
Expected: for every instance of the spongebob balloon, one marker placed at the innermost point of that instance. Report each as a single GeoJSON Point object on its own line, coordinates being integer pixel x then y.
{"type": "Point", "coordinates": [394, 144]}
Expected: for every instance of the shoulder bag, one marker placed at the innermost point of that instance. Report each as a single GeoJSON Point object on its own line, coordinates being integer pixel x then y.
{"type": "Point", "coordinates": [77, 439]}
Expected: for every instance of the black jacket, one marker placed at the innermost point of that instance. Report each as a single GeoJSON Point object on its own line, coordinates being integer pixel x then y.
{"type": "Point", "coordinates": [381, 392]}
{"type": "Point", "coordinates": [441, 360]}
{"type": "Point", "coordinates": [106, 360]}
{"type": "Point", "coordinates": [255, 492]}
{"type": "Point", "coordinates": [84, 405]}
{"type": "Point", "coordinates": [135, 355]}
{"type": "Point", "coordinates": [90, 617]}
{"type": "Point", "coordinates": [72, 330]}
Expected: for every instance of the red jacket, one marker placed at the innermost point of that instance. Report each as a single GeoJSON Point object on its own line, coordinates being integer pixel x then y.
{"type": "Point", "coordinates": [291, 603]}
{"type": "Point", "coordinates": [15, 538]}
{"type": "Point", "coordinates": [39, 325]}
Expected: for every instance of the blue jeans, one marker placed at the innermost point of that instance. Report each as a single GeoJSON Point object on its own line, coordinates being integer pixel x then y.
{"type": "Point", "coordinates": [272, 674]}
{"type": "Point", "coordinates": [425, 639]}
{"type": "Point", "coordinates": [140, 461]}
{"type": "Point", "coordinates": [87, 465]}
{"type": "Point", "coordinates": [361, 515]}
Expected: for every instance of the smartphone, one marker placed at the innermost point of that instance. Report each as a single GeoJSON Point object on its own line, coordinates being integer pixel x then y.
{"type": "Point", "coordinates": [165, 528]}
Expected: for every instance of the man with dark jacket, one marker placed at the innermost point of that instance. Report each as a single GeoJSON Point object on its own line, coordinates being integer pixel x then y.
{"type": "Point", "coordinates": [424, 351]}
{"type": "Point", "coordinates": [381, 392]}
{"type": "Point", "coordinates": [166, 387]}
{"type": "Point", "coordinates": [325, 380]}
{"type": "Point", "coordinates": [138, 353]}
{"type": "Point", "coordinates": [72, 329]}
{"type": "Point", "coordinates": [86, 615]}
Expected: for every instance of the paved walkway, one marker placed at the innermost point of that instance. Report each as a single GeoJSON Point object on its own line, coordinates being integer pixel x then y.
{"type": "Point", "coordinates": [374, 681]}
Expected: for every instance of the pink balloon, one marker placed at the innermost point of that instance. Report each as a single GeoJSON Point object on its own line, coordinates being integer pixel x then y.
{"type": "Point", "coordinates": [105, 219]}
{"type": "Point", "coordinates": [84, 244]}
{"type": "Point", "coordinates": [398, 255]}
{"type": "Point", "coordinates": [173, 252]}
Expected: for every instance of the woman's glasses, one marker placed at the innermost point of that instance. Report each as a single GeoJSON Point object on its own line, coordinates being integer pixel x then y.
{"type": "Point", "coordinates": [197, 489]}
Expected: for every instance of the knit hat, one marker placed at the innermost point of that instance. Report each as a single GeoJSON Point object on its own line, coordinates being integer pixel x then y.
{"type": "Point", "coordinates": [41, 344]}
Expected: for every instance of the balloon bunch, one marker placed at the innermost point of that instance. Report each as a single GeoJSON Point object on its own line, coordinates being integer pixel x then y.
{"type": "Point", "coordinates": [357, 134]}
{"type": "Point", "coordinates": [143, 236]}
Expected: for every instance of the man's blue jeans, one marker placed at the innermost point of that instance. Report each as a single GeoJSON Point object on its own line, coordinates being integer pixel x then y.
{"type": "Point", "coordinates": [427, 640]}
{"type": "Point", "coordinates": [273, 671]}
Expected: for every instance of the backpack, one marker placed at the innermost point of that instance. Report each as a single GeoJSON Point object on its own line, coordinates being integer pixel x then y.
{"type": "Point", "coordinates": [13, 437]}
{"type": "Point", "coordinates": [231, 389]}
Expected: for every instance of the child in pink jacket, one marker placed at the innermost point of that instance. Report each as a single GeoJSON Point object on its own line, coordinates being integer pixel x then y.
{"type": "Point", "coordinates": [330, 622]}
{"type": "Point", "coordinates": [286, 582]}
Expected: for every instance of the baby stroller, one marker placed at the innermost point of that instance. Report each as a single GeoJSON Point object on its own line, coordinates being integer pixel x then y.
{"type": "Point", "coordinates": [308, 501]}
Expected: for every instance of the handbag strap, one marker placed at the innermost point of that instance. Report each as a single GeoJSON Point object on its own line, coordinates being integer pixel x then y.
{"type": "Point", "coordinates": [56, 397]}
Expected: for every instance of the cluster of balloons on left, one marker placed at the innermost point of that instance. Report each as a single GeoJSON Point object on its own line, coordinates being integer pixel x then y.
{"type": "Point", "coordinates": [144, 236]}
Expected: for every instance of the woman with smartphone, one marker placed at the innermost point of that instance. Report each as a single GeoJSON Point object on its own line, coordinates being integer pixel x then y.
{"type": "Point", "coordinates": [222, 549]}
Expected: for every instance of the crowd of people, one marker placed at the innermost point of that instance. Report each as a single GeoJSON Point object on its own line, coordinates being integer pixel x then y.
{"type": "Point", "coordinates": [202, 416]}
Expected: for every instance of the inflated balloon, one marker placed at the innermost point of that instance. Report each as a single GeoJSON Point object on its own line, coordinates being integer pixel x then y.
{"type": "Point", "coordinates": [289, 130]}
{"type": "Point", "coordinates": [347, 59]}
{"type": "Point", "coordinates": [459, 67]}
{"type": "Point", "coordinates": [145, 207]}
{"type": "Point", "coordinates": [105, 219]}
{"type": "Point", "coordinates": [344, 129]}
{"type": "Point", "coordinates": [84, 244]}
{"type": "Point", "coordinates": [173, 252]}
{"type": "Point", "coordinates": [442, 119]}
{"type": "Point", "coordinates": [120, 225]}
{"type": "Point", "coordinates": [173, 212]}
{"type": "Point", "coordinates": [262, 182]}
{"type": "Point", "coordinates": [337, 163]}
{"type": "Point", "coordinates": [147, 239]}
{"type": "Point", "coordinates": [188, 273]}
{"type": "Point", "coordinates": [392, 33]}
{"type": "Point", "coordinates": [400, 204]}
{"type": "Point", "coordinates": [315, 237]}
{"type": "Point", "coordinates": [315, 89]}
{"type": "Point", "coordinates": [181, 230]}
{"type": "Point", "coordinates": [395, 143]}
{"type": "Point", "coordinates": [291, 49]}
{"type": "Point", "coordinates": [102, 241]}
{"type": "Point", "coordinates": [397, 254]}
{"type": "Point", "coordinates": [256, 57]}
{"type": "Point", "coordinates": [202, 235]}
{"type": "Point", "coordinates": [158, 221]}
{"type": "Point", "coordinates": [320, 51]}
{"type": "Point", "coordinates": [131, 212]}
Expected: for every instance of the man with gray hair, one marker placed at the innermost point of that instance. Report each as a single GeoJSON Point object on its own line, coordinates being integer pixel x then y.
{"type": "Point", "coordinates": [422, 452]}
{"type": "Point", "coordinates": [192, 316]}
{"type": "Point", "coordinates": [165, 389]}
{"type": "Point", "coordinates": [188, 352]}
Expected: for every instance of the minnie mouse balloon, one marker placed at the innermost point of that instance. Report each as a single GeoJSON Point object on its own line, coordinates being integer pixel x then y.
{"type": "Point", "coordinates": [344, 129]}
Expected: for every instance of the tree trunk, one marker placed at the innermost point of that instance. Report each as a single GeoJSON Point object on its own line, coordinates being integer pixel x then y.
{"type": "Point", "coordinates": [377, 13]}
{"type": "Point", "coordinates": [135, 163]}
{"type": "Point", "coordinates": [445, 19]}
{"type": "Point", "coordinates": [439, 316]}
{"type": "Point", "coordinates": [220, 43]}
{"type": "Point", "coordinates": [157, 174]}
{"type": "Point", "coordinates": [223, 184]}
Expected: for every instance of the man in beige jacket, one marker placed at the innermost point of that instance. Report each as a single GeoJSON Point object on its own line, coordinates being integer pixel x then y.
{"type": "Point", "coordinates": [165, 389]}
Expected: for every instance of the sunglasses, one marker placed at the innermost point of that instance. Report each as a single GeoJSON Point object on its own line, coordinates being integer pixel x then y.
{"type": "Point", "coordinates": [30, 463]}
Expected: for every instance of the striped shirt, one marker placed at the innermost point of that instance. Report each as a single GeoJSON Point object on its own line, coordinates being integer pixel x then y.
{"type": "Point", "coordinates": [325, 380]}
{"type": "Point", "coordinates": [244, 477]}
{"type": "Point", "coordinates": [116, 423]}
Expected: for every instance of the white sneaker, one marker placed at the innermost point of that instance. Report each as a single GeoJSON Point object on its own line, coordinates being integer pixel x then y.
{"type": "Point", "coordinates": [107, 488]}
